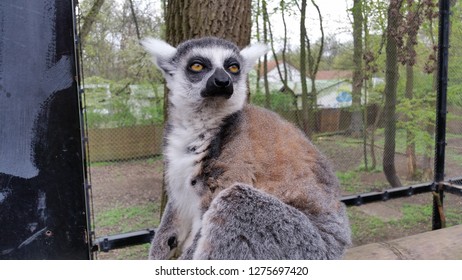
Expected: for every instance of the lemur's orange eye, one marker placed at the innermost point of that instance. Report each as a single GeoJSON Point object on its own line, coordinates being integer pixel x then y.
{"type": "Point", "coordinates": [197, 67]}
{"type": "Point", "coordinates": [233, 68]}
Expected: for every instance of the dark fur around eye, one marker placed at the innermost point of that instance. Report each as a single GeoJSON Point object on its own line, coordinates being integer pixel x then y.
{"type": "Point", "coordinates": [232, 62]}
{"type": "Point", "coordinates": [197, 76]}
{"type": "Point", "coordinates": [199, 60]}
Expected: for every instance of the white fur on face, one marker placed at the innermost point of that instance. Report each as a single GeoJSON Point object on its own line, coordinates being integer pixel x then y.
{"type": "Point", "coordinates": [187, 95]}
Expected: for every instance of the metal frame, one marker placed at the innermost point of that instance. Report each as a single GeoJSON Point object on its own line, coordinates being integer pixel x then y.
{"type": "Point", "coordinates": [437, 187]}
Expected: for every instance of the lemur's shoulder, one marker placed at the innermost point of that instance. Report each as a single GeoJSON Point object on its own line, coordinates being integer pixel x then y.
{"type": "Point", "coordinates": [270, 130]}
{"type": "Point", "coordinates": [283, 155]}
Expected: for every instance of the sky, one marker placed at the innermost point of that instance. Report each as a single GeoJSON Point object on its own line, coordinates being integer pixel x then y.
{"type": "Point", "coordinates": [335, 21]}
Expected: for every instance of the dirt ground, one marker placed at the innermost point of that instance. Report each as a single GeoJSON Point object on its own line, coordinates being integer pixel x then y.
{"type": "Point", "coordinates": [126, 184]}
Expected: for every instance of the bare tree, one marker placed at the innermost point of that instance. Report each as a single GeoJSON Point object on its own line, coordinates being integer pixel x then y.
{"type": "Point", "coordinates": [431, 14]}
{"type": "Point", "coordinates": [356, 117]}
{"type": "Point", "coordinates": [309, 64]}
{"type": "Point", "coordinates": [412, 25]}
{"type": "Point", "coordinates": [265, 58]}
{"type": "Point", "coordinates": [314, 59]}
{"type": "Point", "coordinates": [283, 73]}
{"type": "Point", "coordinates": [305, 112]}
{"type": "Point", "coordinates": [135, 20]}
{"type": "Point", "coordinates": [89, 19]}
{"type": "Point", "coordinates": [391, 83]}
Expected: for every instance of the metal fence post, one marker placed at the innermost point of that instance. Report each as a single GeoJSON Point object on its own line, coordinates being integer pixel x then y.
{"type": "Point", "coordinates": [441, 113]}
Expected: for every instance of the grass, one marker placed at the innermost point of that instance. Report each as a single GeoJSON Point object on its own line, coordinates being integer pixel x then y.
{"type": "Point", "coordinates": [453, 136]}
{"type": "Point", "coordinates": [414, 215]}
{"type": "Point", "coordinates": [150, 160]}
{"type": "Point", "coordinates": [416, 218]}
{"type": "Point", "coordinates": [126, 219]}
{"type": "Point", "coordinates": [365, 228]}
{"type": "Point", "coordinates": [348, 180]}
{"type": "Point", "coordinates": [454, 157]}
{"type": "Point", "coordinates": [421, 141]}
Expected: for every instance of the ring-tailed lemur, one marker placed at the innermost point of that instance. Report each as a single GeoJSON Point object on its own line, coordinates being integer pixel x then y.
{"type": "Point", "coordinates": [242, 182]}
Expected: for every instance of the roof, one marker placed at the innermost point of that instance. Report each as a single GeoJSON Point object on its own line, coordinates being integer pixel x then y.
{"type": "Point", "coordinates": [334, 75]}
{"type": "Point", "coordinates": [321, 75]}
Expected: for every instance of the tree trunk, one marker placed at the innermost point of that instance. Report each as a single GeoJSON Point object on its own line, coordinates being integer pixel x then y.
{"type": "Point", "coordinates": [410, 136]}
{"type": "Point", "coordinates": [309, 99]}
{"type": "Point", "coordinates": [314, 60]}
{"type": "Point", "coordinates": [427, 168]}
{"type": "Point", "coordinates": [305, 105]}
{"type": "Point", "coordinates": [391, 82]}
{"type": "Point", "coordinates": [372, 136]}
{"type": "Point", "coordinates": [356, 117]}
{"type": "Point", "coordinates": [283, 73]}
{"type": "Point", "coordinates": [135, 20]}
{"type": "Point", "coordinates": [188, 19]}
{"type": "Point", "coordinates": [89, 19]}
{"type": "Point", "coordinates": [259, 64]}
{"type": "Point", "coordinates": [265, 58]}
{"type": "Point", "coordinates": [414, 20]}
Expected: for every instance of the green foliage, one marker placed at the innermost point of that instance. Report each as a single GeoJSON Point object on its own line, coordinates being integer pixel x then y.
{"type": "Point", "coordinates": [278, 101]}
{"type": "Point", "coordinates": [118, 104]}
{"type": "Point", "coordinates": [417, 113]}
{"type": "Point", "coordinates": [112, 50]}
{"type": "Point", "coordinates": [455, 94]}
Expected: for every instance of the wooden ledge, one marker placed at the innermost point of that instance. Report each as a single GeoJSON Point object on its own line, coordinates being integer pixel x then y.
{"type": "Point", "coordinates": [443, 244]}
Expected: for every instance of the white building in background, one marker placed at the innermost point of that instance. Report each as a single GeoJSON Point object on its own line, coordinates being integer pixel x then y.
{"type": "Point", "coordinates": [334, 87]}
{"type": "Point", "coordinates": [141, 98]}
{"type": "Point", "coordinates": [97, 98]}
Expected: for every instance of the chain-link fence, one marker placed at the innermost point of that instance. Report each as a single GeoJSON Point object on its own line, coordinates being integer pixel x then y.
{"type": "Point", "coordinates": [350, 126]}
{"type": "Point", "coordinates": [453, 160]}
{"type": "Point", "coordinates": [124, 129]}
{"type": "Point", "coordinates": [124, 121]}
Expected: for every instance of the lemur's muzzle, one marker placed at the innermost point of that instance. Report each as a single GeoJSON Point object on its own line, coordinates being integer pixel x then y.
{"type": "Point", "coordinates": [218, 85]}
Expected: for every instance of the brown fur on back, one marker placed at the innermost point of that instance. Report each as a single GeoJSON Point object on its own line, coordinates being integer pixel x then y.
{"type": "Point", "coordinates": [267, 152]}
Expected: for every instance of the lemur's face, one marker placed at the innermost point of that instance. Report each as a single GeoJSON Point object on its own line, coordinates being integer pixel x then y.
{"type": "Point", "coordinates": [205, 71]}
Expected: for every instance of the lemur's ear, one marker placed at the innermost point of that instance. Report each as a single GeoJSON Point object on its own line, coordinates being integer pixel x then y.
{"type": "Point", "coordinates": [162, 54]}
{"type": "Point", "coordinates": [251, 53]}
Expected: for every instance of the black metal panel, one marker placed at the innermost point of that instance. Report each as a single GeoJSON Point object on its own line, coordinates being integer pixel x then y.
{"type": "Point", "coordinates": [42, 195]}
{"type": "Point", "coordinates": [441, 110]}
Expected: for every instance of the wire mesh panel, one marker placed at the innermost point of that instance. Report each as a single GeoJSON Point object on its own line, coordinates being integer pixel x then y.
{"type": "Point", "coordinates": [349, 115]}
{"type": "Point", "coordinates": [363, 90]}
{"type": "Point", "coordinates": [373, 112]}
{"type": "Point", "coordinates": [124, 130]}
{"type": "Point", "coordinates": [453, 164]}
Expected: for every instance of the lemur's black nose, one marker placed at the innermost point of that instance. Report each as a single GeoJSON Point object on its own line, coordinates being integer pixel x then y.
{"type": "Point", "coordinates": [221, 79]}
{"type": "Point", "coordinates": [218, 85]}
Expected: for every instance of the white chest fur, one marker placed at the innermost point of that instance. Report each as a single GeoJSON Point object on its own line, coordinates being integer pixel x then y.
{"type": "Point", "coordinates": [186, 147]}
{"type": "Point", "coordinates": [192, 128]}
